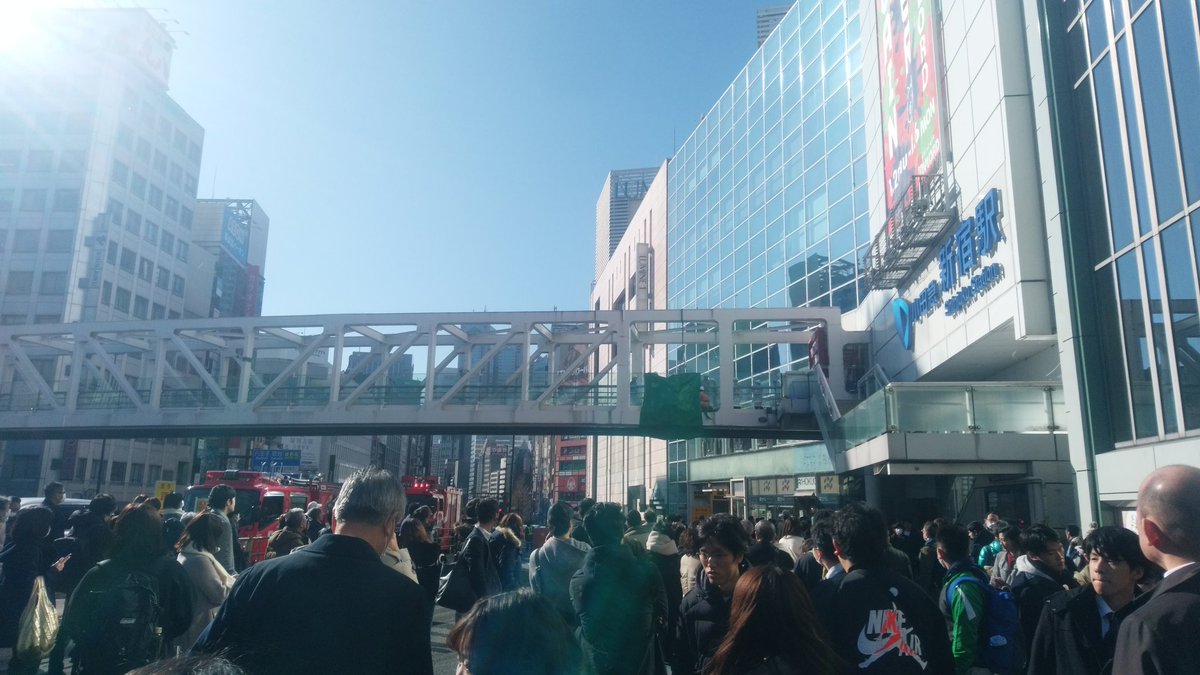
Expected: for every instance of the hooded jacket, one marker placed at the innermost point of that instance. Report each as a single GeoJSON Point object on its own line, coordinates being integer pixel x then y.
{"type": "Point", "coordinates": [880, 622]}
{"type": "Point", "coordinates": [1032, 584]}
{"type": "Point", "coordinates": [620, 603]}
{"type": "Point", "coordinates": [550, 570]}
{"type": "Point", "coordinates": [506, 547]}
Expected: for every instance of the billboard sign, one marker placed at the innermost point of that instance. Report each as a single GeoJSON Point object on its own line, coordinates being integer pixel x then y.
{"type": "Point", "coordinates": [309, 447]}
{"type": "Point", "coordinates": [235, 230]}
{"type": "Point", "coordinates": [275, 461]}
{"type": "Point", "coordinates": [909, 81]}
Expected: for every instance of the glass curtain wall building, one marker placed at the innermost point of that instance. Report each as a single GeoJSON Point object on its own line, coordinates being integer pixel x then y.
{"type": "Point", "coordinates": [768, 199]}
{"type": "Point", "coordinates": [1125, 79]}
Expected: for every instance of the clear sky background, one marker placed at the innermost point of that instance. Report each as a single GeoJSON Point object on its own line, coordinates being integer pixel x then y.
{"type": "Point", "coordinates": [441, 156]}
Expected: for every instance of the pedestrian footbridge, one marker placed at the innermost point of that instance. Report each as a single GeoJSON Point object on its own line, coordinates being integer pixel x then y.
{"type": "Point", "coordinates": [465, 373]}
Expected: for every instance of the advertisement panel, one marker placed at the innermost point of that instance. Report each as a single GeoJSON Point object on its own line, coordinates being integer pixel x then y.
{"type": "Point", "coordinates": [569, 484]}
{"type": "Point", "coordinates": [309, 447]}
{"type": "Point", "coordinates": [235, 230]}
{"type": "Point", "coordinates": [909, 81]}
{"type": "Point", "coordinates": [275, 461]}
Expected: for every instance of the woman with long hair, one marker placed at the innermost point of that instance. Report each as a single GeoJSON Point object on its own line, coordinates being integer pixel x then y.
{"type": "Point", "coordinates": [773, 629]}
{"type": "Point", "coordinates": [26, 557]}
{"type": "Point", "coordinates": [505, 545]}
{"type": "Point", "coordinates": [210, 582]}
{"type": "Point", "coordinates": [425, 555]}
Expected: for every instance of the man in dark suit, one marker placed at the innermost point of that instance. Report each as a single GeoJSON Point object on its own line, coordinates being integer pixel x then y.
{"type": "Point", "coordinates": [477, 552]}
{"type": "Point", "coordinates": [1160, 635]}
{"type": "Point", "coordinates": [1078, 629]}
{"type": "Point", "coordinates": [354, 613]}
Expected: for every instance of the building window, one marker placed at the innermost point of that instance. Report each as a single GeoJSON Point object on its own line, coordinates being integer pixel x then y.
{"type": "Point", "coordinates": [40, 160]}
{"type": "Point", "coordinates": [12, 319]}
{"type": "Point", "coordinates": [53, 283]}
{"type": "Point", "coordinates": [116, 211]}
{"type": "Point", "coordinates": [106, 293]}
{"type": "Point", "coordinates": [10, 161]}
{"type": "Point", "coordinates": [177, 285]}
{"type": "Point", "coordinates": [157, 311]}
{"type": "Point", "coordinates": [150, 233]}
{"type": "Point", "coordinates": [7, 197]}
{"type": "Point", "coordinates": [143, 150]}
{"type": "Point", "coordinates": [125, 136]}
{"type": "Point", "coordinates": [181, 250]}
{"type": "Point", "coordinates": [181, 471]}
{"type": "Point", "coordinates": [20, 282]}
{"type": "Point", "coordinates": [66, 200]}
{"type": "Point", "coordinates": [141, 307]}
{"type": "Point", "coordinates": [22, 466]}
{"type": "Point", "coordinates": [163, 280]}
{"type": "Point", "coordinates": [166, 243]}
{"type": "Point", "coordinates": [120, 173]}
{"type": "Point", "coordinates": [155, 197]}
{"type": "Point", "coordinates": [26, 241]}
{"type": "Point", "coordinates": [60, 241]}
{"type": "Point", "coordinates": [118, 472]}
{"type": "Point", "coordinates": [176, 174]}
{"type": "Point", "coordinates": [172, 208]}
{"type": "Point", "coordinates": [121, 303]}
{"type": "Point", "coordinates": [133, 222]}
{"type": "Point", "coordinates": [145, 270]}
{"type": "Point", "coordinates": [47, 318]}
{"type": "Point", "coordinates": [99, 469]}
{"type": "Point", "coordinates": [33, 199]}
{"type": "Point", "coordinates": [137, 473]}
{"type": "Point", "coordinates": [189, 185]}
{"type": "Point", "coordinates": [72, 161]}
{"type": "Point", "coordinates": [81, 469]}
{"type": "Point", "coordinates": [128, 260]}
{"type": "Point", "coordinates": [137, 185]}
{"type": "Point", "coordinates": [172, 314]}
{"type": "Point", "coordinates": [154, 474]}
{"type": "Point", "coordinates": [160, 162]}
{"type": "Point", "coordinates": [113, 251]}
{"type": "Point", "coordinates": [185, 217]}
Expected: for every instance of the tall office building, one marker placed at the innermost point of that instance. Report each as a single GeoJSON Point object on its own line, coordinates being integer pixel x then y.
{"type": "Point", "coordinates": [1123, 149]}
{"type": "Point", "coordinates": [622, 193]}
{"type": "Point", "coordinates": [235, 232]}
{"type": "Point", "coordinates": [98, 171]}
{"type": "Point", "coordinates": [767, 19]}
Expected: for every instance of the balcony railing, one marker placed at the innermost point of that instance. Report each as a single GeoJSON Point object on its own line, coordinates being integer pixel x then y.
{"type": "Point", "coordinates": [946, 408]}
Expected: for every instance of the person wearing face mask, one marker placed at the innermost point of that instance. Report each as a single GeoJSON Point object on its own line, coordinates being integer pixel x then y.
{"type": "Point", "coordinates": [1077, 632]}
{"type": "Point", "coordinates": [722, 544]}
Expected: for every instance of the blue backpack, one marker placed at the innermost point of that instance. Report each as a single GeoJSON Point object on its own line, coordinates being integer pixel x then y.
{"type": "Point", "coordinates": [1000, 630]}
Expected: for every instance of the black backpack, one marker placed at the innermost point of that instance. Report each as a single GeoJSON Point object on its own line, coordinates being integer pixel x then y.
{"type": "Point", "coordinates": [172, 530]}
{"type": "Point", "coordinates": [124, 632]}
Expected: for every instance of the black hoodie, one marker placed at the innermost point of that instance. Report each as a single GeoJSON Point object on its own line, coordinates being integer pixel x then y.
{"type": "Point", "coordinates": [620, 603]}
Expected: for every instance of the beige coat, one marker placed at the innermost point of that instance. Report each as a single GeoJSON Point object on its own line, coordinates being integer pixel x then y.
{"type": "Point", "coordinates": [210, 585]}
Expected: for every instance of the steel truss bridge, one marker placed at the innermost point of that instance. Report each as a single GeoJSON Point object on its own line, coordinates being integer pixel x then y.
{"type": "Point", "coordinates": [464, 373]}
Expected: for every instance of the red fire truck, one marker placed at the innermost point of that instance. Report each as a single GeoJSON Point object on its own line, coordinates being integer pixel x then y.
{"type": "Point", "coordinates": [261, 499]}
{"type": "Point", "coordinates": [445, 501]}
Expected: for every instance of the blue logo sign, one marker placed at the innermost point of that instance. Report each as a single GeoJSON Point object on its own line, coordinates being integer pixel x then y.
{"type": "Point", "coordinates": [275, 461]}
{"type": "Point", "coordinates": [960, 256]}
{"type": "Point", "coordinates": [902, 312]}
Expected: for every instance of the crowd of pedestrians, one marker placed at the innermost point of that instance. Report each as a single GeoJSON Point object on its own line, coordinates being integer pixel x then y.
{"type": "Point", "coordinates": [837, 592]}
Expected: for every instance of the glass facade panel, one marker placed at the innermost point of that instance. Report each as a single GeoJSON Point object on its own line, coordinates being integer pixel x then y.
{"type": "Point", "coordinates": [1184, 60]}
{"type": "Point", "coordinates": [1137, 346]}
{"type": "Point", "coordinates": [1158, 329]}
{"type": "Point", "coordinates": [1119, 216]}
{"type": "Point", "coordinates": [1134, 134]}
{"type": "Point", "coordinates": [1181, 299]}
{"type": "Point", "coordinates": [1156, 106]}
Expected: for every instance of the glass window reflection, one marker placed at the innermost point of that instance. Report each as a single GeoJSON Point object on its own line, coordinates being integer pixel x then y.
{"type": "Point", "coordinates": [1137, 348]}
{"type": "Point", "coordinates": [1156, 106]}
{"type": "Point", "coordinates": [1185, 323]}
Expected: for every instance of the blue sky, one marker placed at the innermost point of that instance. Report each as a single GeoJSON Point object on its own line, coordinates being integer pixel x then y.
{"type": "Point", "coordinates": [441, 156]}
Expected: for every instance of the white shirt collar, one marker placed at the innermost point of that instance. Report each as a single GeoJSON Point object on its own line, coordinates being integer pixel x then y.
{"type": "Point", "coordinates": [1173, 570]}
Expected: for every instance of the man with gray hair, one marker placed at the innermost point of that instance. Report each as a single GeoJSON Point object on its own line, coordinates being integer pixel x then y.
{"type": "Point", "coordinates": [353, 610]}
{"type": "Point", "coordinates": [1160, 635]}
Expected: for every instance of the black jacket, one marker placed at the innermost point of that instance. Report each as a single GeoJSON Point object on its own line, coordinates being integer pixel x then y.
{"type": "Point", "coordinates": [880, 622]}
{"type": "Point", "coordinates": [506, 549]}
{"type": "Point", "coordinates": [765, 552]}
{"type": "Point", "coordinates": [810, 571]}
{"type": "Point", "coordinates": [703, 622]}
{"type": "Point", "coordinates": [1068, 638]}
{"type": "Point", "coordinates": [352, 612]}
{"type": "Point", "coordinates": [174, 597]}
{"type": "Point", "coordinates": [621, 605]}
{"type": "Point", "coordinates": [22, 561]}
{"type": "Point", "coordinates": [1032, 586]}
{"type": "Point", "coordinates": [481, 566]}
{"type": "Point", "coordinates": [92, 538]}
{"type": "Point", "coordinates": [1160, 635]}
{"type": "Point", "coordinates": [930, 572]}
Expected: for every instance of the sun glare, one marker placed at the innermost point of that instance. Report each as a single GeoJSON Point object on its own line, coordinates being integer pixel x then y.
{"type": "Point", "coordinates": [19, 24]}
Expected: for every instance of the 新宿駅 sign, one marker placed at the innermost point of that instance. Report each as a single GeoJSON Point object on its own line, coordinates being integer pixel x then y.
{"type": "Point", "coordinates": [960, 257]}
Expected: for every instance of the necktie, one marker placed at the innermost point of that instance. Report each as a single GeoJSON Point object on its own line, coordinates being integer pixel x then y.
{"type": "Point", "coordinates": [1110, 637]}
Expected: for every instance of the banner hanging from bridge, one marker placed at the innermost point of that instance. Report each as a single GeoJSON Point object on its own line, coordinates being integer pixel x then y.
{"type": "Point", "coordinates": [672, 408]}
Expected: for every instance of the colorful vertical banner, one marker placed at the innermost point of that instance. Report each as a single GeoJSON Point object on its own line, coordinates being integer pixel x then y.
{"type": "Point", "coordinates": [909, 81]}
